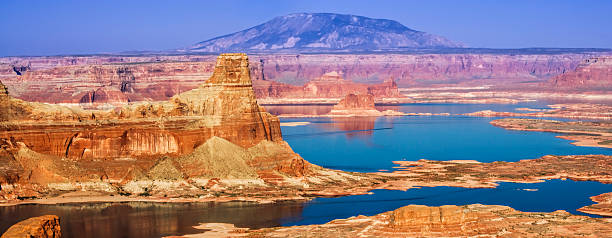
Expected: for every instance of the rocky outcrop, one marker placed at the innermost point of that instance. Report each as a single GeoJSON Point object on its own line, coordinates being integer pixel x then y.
{"type": "Point", "coordinates": [214, 131]}
{"type": "Point", "coordinates": [446, 221]}
{"type": "Point", "coordinates": [593, 73]}
{"type": "Point", "coordinates": [47, 226]}
{"type": "Point", "coordinates": [328, 85]}
{"type": "Point", "coordinates": [359, 105]}
{"type": "Point", "coordinates": [356, 102]}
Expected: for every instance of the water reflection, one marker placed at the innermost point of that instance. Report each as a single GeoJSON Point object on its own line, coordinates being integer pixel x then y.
{"type": "Point", "coordinates": [298, 109]}
{"type": "Point", "coordinates": [140, 219]}
{"type": "Point", "coordinates": [355, 127]}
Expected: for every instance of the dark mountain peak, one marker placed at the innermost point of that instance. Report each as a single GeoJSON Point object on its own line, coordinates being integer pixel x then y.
{"type": "Point", "coordinates": [324, 31]}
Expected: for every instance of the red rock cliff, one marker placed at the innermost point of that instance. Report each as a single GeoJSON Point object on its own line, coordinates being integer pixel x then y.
{"type": "Point", "coordinates": [593, 73]}
{"type": "Point", "coordinates": [215, 130]}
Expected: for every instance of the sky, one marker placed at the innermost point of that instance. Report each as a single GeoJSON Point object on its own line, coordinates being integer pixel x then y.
{"type": "Point", "coordinates": [42, 27]}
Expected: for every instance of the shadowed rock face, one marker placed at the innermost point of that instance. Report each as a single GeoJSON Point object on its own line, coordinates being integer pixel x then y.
{"type": "Point", "coordinates": [47, 226]}
{"type": "Point", "coordinates": [181, 138]}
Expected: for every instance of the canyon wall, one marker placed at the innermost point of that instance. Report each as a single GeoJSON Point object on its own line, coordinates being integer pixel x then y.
{"type": "Point", "coordinates": [328, 85]}
{"type": "Point", "coordinates": [216, 130]}
{"type": "Point", "coordinates": [421, 69]}
{"type": "Point", "coordinates": [119, 79]}
{"type": "Point", "coordinates": [592, 73]}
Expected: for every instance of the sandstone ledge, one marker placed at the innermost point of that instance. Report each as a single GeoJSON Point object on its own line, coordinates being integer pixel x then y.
{"type": "Point", "coordinates": [47, 226]}
{"type": "Point", "coordinates": [445, 221]}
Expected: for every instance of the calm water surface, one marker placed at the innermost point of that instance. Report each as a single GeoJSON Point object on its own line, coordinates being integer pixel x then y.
{"type": "Point", "coordinates": [362, 144]}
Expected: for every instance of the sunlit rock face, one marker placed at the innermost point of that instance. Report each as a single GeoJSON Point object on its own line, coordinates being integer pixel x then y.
{"type": "Point", "coordinates": [47, 226]}
{"type": "Point", "coordinates": [593, 73]}
{"type": "Point", "coordinates": [356, 102]}
{"type": "Point", "coordinates": [215, 130]}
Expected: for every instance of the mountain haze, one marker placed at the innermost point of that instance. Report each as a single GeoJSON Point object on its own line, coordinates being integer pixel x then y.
{"type": "Point", "coordinates": [323, 31]}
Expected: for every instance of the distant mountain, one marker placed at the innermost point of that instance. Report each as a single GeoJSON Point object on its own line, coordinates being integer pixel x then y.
{"type": "Point", "coordinates": [323, 32]}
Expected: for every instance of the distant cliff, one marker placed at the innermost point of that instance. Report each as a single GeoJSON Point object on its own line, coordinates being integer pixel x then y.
{"type": "Point", "coordinates": [592, 73]}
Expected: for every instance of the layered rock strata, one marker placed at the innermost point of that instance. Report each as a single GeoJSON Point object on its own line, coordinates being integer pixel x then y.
{"type": "Point", "coordinates": [445, 221]}
{"type": "Point", "coordinates": [47, 226]}
{"type": "Point", "coordinates": [214, 131]}
{"type": "Point", "coordinates": [330, 85]}
{"type": "Point", "coordinates": [117, 79]}
{"type": "Point", "coordinates": [594, 73]}
{"type": "Point", "coordinates": [358, 105]}
{"type": "Point", "coordinates": [602, 207]}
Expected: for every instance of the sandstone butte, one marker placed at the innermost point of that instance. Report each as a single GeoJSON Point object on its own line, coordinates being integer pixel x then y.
{"type": "Point", "coordinates": [406, 69]}
{"type": "Point", "coordinates": [359, 105]}
{"type": "Point", "coordinates": [216, 131]}
{"type": "Point", "coordinates": [446, 221]}
{"type": "Point", "coordinates": [47, 226]}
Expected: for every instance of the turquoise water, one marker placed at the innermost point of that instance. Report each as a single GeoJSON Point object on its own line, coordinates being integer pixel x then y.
{"type": "Point", "coordinates": [371, 144]}
{"type": "Point", "coordinates": [354, 144]}
{"type": "Point", "coordinates": [548, 197]}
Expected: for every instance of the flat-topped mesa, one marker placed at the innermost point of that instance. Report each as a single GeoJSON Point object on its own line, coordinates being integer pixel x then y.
{"type": "Point", "coordinates": [47, 226]}
{"type": "Point", "coordinates": [359, 105]}
{"type": "Point", "coordinates": [356, 102]}
{"type": "Point", "coordinates": [330, 77]}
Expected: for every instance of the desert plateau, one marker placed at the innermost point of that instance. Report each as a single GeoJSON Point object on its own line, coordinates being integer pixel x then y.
{"type": "Point", "coordinates": [115, 122]}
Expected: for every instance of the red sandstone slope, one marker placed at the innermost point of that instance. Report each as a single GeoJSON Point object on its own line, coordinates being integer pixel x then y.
{"type": "Point", "coordinates": [214, 131]}
{"type": "Point", "coordinates": [593, 73]}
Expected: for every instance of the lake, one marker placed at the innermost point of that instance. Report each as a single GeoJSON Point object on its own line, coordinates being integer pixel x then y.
{"type": "Point", "coordinates": [353, 144]}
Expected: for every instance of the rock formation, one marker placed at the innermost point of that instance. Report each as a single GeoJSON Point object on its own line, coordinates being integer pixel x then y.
{"type": "Point", "coordinates": [214, 131]}
{"type": "Point", "coordinates": [359, 105]}
{"type": "Point", "coordinates": [74, 79]}
{"type": "Point", "coordinates": [593, 73]}
{"type": "Point", "coordinates": [109, 83]}
{"type": "Point", "coordinates": [47, 226]}
{"type": "Point", "coordinates": [446, 221]}
{"type": "Point", "coordinates": [329, 85]}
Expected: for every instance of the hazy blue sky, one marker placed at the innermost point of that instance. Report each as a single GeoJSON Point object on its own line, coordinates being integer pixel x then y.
{"type": "Point", "coordinates": [76, 27]}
